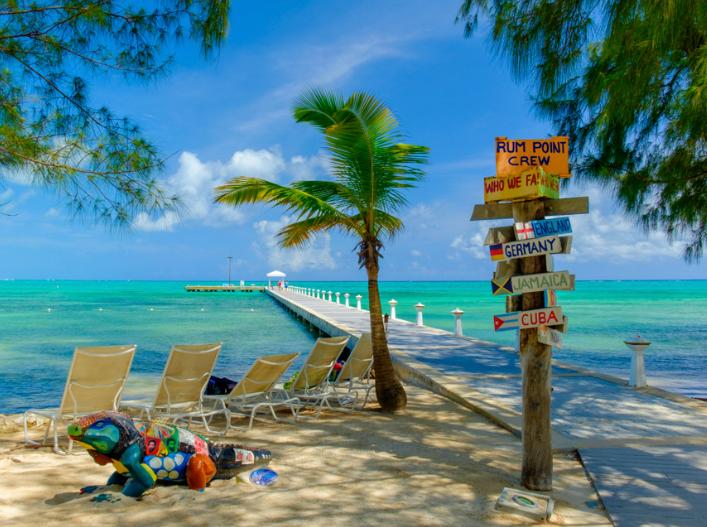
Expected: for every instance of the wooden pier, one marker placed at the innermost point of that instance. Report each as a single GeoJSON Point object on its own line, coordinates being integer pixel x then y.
{"type": "Point", "coordinates": [224, 288]}
{"type": "Point", "coordinates": [645, 449]}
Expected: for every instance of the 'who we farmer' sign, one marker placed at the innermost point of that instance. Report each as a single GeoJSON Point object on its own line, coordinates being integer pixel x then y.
{"type": "Point", "coordinates": [533, 183]}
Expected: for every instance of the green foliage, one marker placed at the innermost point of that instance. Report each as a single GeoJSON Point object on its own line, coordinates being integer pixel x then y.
{"type": "Point", "coordinates": [627, 81]}
{"type": "Point", "coordinates": [50, 133]}
{"type": "Point", "coordinates": [370, 167]}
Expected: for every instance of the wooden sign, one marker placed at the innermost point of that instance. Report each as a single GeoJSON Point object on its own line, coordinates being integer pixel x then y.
{"type": "Point", "coordinates": [526, 248]}
{"type": "Point", "coordinates": [551, 227]}
{"type": "Point", "coordinates": [507, 284]}
{"type": "Point", "coordinates": [499, 235]}
{"type": "Point", "coordinates": [514, 156]}
{"type": "Point", "coordinates": [549, 316]}
{"type": "Point", "coordinates": [531, 185]}
{"type": "Point", "coordinates": [553, 207]}
{"type": "Point", "coordinates": [530, 283]}
{"type": "Point", "coordinates": [549, 336]}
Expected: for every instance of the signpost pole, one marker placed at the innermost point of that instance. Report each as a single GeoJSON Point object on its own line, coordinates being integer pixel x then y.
{"type": "Point", "coordinates": [535, 358]}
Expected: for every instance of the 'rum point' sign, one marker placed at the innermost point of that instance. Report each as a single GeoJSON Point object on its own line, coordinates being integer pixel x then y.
{"type": "Point", "coordinates": [514, 156]}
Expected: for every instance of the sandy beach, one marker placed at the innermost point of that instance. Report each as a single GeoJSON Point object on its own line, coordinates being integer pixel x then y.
{"type": "Point", "coordinates": [436, 464]}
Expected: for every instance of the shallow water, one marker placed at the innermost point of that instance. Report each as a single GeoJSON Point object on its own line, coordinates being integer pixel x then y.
{"type": "Point", "coordinates": [42, 321]}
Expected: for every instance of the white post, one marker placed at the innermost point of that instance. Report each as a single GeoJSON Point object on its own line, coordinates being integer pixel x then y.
{"type": "Point", "coordinates": [338, 295]}
{"type": "Point", "coordinates": [458, 322]}
{"type": "Point", "coordinates": [329, 296]}
{"type": "Point", "coordinates": [392, 304]}
{"type": "Point", "coordinates": [358, 302]}
{"type": "Point", "coordinates": [419, 306]}
{"type": "Point", "coordinates": [318, 290]}
{"type": "Point", "coordinates": [346, 299]}
{"type": "Point", "coordinates": [638, 345]}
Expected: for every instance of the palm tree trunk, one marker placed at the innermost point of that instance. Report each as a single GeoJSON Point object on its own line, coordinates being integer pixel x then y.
{"type": "Point", "coordinates": [389, 390]}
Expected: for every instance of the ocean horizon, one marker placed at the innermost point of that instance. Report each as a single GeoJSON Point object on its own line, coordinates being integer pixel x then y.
{"type": "Point", "coordinates": [44, 320]}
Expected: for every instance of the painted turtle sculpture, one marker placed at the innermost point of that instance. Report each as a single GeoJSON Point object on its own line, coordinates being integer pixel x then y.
{"type": "Point", "coordinates": [144, 453]}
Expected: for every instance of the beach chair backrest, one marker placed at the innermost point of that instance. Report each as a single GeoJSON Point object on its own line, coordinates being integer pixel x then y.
{"type": "Point", "coordinates": [360, 361]}
{"type": "Point", "coordinates": [319, 363]}
{"type": "Point", "coordinates": [186, 373]}
{"type": "Point", "coordinates": [96, 379]}
{"type": "Point", "coordinates": [263, 375]}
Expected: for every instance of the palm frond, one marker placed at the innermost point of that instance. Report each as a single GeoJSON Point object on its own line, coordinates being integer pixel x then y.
{"type": "Point", "coordinates": [300, 232]}
{"type": "Point", "coordinates": [243, 190]}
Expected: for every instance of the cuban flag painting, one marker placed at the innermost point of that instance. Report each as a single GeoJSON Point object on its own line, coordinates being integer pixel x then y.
{"type": "Point", "coordinates": [506, 321]}
{"type": "Point", "coordinates": [497, 252]}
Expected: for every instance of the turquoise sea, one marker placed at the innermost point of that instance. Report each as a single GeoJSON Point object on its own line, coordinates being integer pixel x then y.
{"type": "Point", "coordinates": [42, 321]}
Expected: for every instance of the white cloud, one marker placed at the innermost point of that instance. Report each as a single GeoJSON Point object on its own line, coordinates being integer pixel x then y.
{"type": "Point", "coordinates": [317, 255]}
{"type": "Point", "coordinates": [415, 253]}
{"type": "Point", "coordinates": [612, 236]}
{"type": "Point", "coordinates": [471, 244]}
{"type": "Point", "coordinates": [194, 183]}
{"type": "Point", "coordinates": [53, 212]}
{"type": "Point", "coordinates": [166, 222]}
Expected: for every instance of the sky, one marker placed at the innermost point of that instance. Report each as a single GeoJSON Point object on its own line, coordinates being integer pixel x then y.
{"type": "Point", "coordinates": [231, 116]}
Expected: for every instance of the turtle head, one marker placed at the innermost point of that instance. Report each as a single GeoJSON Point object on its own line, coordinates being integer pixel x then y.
{"type": "Point", "coordinates": [98, 432]}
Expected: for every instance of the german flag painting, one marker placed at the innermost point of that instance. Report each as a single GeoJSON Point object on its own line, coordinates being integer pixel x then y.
{"type": "Point", "coordinates": [497, 252]}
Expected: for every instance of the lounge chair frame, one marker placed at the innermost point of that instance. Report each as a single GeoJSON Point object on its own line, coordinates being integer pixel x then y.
{"type": "Point", "coordinates": [77, 407]}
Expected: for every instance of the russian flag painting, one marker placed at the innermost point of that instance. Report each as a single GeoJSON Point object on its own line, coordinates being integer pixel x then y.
{"type": "Point", "coordinates": [497, 252]}
{"type": "Point", "coordinates": [506, 321]}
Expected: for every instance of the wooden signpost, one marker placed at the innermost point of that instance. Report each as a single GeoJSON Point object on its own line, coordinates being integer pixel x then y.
{"type": "Point", "coordinates": [524, 274]}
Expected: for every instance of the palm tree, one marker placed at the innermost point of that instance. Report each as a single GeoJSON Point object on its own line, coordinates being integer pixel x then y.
{"type": "Point", "coordinates": [370, 168]}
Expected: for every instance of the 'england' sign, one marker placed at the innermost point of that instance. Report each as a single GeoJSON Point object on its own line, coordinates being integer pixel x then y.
{"type": "Point", "coordinates": [525, 248]}
{"type": "Point", "coordinates": [530, 283]}
{"type": "Point", "coordinates": [551, 227]}
{"type": "Point", "coordinates": [549, 316]}
{"type": "Point", "coordinates": [514, 156]}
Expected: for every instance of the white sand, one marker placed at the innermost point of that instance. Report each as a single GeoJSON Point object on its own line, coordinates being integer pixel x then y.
{"type": "Point", "coordinates": [437, 464]}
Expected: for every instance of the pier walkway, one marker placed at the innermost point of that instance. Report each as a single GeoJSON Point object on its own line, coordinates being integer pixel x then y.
{"type": "Point", "coordinates": [644, 449]}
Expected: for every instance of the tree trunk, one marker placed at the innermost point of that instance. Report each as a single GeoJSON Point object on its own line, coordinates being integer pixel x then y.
{"type": "Point", "coordinates": [536, 473]}
{"type": "Point", "coordinates": [389, 390]}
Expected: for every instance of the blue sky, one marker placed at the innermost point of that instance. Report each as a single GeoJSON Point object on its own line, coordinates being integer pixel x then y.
{"type": "Point", "coordinates": [231, 116]}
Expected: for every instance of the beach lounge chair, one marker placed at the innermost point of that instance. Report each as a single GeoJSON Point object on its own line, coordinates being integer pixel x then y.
{"type": "Point", "coordinates": [354, 376]}
{"type": "Point", "coordinates": [181, 389]}
{"type": "Point", "coordinates": [95, 383]}
{"type": "Point", "coordinates": [256, 391]}
{"type": "Point", "coordinates": [310, 385]}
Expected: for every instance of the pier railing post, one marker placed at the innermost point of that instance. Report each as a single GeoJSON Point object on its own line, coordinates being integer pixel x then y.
{"type": "Point", "coordinates": [419, 306]}
{"type": "Point", "coordinates": [392, 302]}
{"type": "Point", "coordinates": [358, 302]}
{"type": "Point", "coordinates": [318, 291]}
{"type": "Point", "coordinates": [458, 322]}
{"type": "Point", "coordinates": [329, 296]}
{"type": "Point", "coordinates": [346, 299]}
{"type": "Point", "coordinates": [338, 295]}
